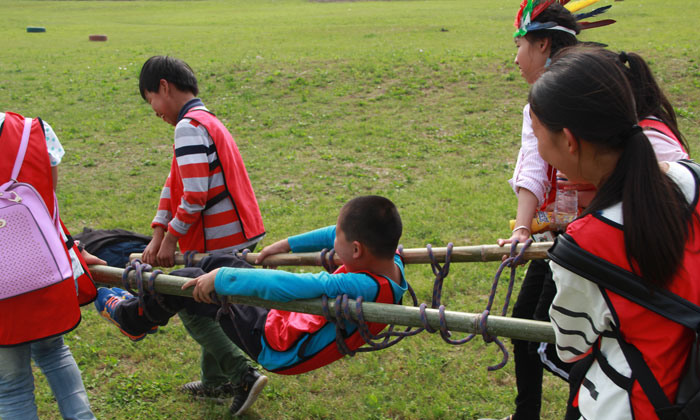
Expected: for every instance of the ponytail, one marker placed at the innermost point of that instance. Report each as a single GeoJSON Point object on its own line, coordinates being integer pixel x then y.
{"type": "Point", "coordinates": [648, 96]}
{"type": "Point", "coordinates": [654, 211]}
{"type": "Point", "coordinates": [589, 94]}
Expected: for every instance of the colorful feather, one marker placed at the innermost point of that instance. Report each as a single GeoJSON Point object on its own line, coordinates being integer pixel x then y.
{"type": "Point", "coordinates": [595, 12]}
{"type": "Point", "coordinates": [580, 4]}
{"type": "Point", "coordinates": [521, 10]}
{"type": "Point", "coordinates": [598, 24]}
{"type": "Point", "coordinates": [538, 26]}
{"type": "Point", "coordinates": [540, 8]}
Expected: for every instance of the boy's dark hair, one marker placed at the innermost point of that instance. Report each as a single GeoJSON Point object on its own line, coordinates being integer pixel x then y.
{"type": "Point", "coordinates": [562, 17]}
{"type": "Point", "coordinates": [587, 92]}
{"type": "Point", "coordinates": [373, 221]}
{"type": "Point", "coordinates": [172, 69]}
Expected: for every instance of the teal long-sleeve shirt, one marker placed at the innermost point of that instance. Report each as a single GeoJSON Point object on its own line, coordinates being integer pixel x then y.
{"type": "Point", "coordinates": [284, 286]}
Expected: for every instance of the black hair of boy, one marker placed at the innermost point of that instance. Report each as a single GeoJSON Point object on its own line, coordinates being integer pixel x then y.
{"type": "Point", "coordinates": [172, 69]}
{"type": "Point", "coordinates": [373, 221]}
{"type": "Point", "coordinates": [559, 39]}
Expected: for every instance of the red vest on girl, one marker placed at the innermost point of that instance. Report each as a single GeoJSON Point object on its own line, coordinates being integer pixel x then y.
{"type": "Point", "coordinates": [236, 181]}
{"type": "Point", "coordinates": [663, 343]}
{"type": "Point", "coordinates": [55, 309]}
{"type": "Point", "coordinates": [283, 329]}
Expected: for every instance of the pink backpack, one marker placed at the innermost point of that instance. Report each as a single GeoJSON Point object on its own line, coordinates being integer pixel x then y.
{"type": "Point", "coordinates": [32, 252]}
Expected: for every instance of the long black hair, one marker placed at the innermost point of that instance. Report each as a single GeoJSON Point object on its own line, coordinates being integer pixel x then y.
{"type": "Point", "coordinates": [561, 16]}
{"type": "Point", "coordinates": [589, 94]}
{"type": "Point", "coordinates": [648, 96]}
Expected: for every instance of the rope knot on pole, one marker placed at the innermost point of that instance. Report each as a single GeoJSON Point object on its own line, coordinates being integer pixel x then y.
{"type": "Point", "coordinates": [138, 268]}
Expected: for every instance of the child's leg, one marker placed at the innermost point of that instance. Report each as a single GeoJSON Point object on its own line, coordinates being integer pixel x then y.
{"type": "Point", "coordinates": [122, 309]}
{"type": "Point", "coordinates": [56, 361]}
{"type": "Point", "coordinates": [17, 384]}
{"type": "Point", "coordinates": [128, 313]}
{"type": "Point", "coordinates": [246, 328]}
{"type": "Point", "coordinates": [221, 361]}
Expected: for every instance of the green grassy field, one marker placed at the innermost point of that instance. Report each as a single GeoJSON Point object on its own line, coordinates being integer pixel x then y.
{"type": "Point", "coordinates": [416, 100]}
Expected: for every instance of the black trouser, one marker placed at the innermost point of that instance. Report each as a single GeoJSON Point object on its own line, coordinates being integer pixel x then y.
{"type": "Point", "coordinates": [535, 298]}
{"type": "Point", "coordinates": [245, 329]}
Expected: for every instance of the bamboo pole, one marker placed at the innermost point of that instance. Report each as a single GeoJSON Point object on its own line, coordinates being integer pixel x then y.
{"type": "Point", "coordinates": [478, 253]}
{"type": "Point", "coordinates": [521, 329]}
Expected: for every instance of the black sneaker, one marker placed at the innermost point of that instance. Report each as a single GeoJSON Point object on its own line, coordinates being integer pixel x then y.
{"type": "Point", "coordinates": [247, 391]}
{"type": "Point", "coordinates": [219, 394]}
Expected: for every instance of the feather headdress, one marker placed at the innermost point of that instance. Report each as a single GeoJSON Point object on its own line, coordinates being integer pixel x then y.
{"type": "Point", "coordinates": [530, 9]}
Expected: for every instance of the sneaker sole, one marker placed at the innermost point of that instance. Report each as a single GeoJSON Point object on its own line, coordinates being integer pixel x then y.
{"type": "Point", "coordinates": [215, 400]}
{"type": "Point", "coordinates": [253, 395]}
{"type": "Point", "coordinates": [133, 338]}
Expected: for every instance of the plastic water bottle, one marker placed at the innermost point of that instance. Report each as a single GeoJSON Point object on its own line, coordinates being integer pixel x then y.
{"type": "Point", "coordinates": [565, 208]}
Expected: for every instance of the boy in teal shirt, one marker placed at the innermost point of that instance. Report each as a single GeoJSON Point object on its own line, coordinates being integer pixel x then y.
{"type": "Point", "coordinates": [365, 238]}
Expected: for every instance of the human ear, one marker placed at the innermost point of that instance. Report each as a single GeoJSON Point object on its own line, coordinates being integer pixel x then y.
{"type": "Point", "coordinates": [545, 46]}
{"type": "Point", "coordinates": [163, 86]}
{"type": "Point", "coordinates": [357, 249]}
{"type": "Point", "coordinates": [571, 141]}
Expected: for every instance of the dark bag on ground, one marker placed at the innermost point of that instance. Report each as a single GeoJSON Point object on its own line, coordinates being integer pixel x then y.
{"type": "Point", "coordinates": [112, 245]}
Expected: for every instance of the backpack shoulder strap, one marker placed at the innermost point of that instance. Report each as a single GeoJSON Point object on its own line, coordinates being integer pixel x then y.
{"type": "Point", "coordinates": [22, 148]}
{"type": "Point", "coordinates": [569, 255]}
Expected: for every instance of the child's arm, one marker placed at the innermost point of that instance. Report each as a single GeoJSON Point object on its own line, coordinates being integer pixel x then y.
{"type": "Point", "coordinates": [159, 226]}
{"type": "Point", "coordinates": [281, 286]}
{"type": "Point", "coordinates": [527, 205]}
{"type": "Point", "coordinates": [314, 240]}
{"type": "Point", "coordinates": [529, 182]}
{"type": "Point", "coordinates": [151, 251]}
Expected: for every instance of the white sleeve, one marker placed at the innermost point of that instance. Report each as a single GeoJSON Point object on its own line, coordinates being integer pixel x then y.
{"type": "Point", "coordinates": [54, 147]}
{"type": "Point", "coordinates": [579, 313]}
{"type": "Point", "coordinates": [665, 148]}
{"type": "Point", "coordinates": [530, 169]}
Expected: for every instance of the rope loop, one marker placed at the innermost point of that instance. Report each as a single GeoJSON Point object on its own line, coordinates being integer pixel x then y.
{"type": "Point", "coordinates": [440, 272]}
{"type": "Point", "coordinates": [188, 256]}
{"type": "Point", "coordinates": [139, 268]}
{"type": "Point", "coordinates": [327, 260]}
{"type": "Point", "coordinates": [513, 261]}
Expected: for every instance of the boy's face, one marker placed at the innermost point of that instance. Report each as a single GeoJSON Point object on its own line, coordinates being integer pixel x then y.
{"type": "Point", "coordinates": [162, 104]}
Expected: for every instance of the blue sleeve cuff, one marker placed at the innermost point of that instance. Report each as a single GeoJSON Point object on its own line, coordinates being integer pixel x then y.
{"type": "Point", "coordinates": [315, 240]}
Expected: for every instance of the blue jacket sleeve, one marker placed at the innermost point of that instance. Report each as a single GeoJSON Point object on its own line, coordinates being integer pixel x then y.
{"type": "Point", "coordinates": [283, 286]}
{"type": "Point", "coordinates": [314, 240]}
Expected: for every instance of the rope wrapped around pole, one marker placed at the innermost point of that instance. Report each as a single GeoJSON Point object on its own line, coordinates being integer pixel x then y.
{"type": "Point", "coordinates": [477, 253]}
{"type": "Point", "coordinates": [409, 316]}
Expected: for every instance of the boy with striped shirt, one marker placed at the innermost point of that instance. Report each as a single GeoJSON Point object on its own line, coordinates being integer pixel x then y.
{"type": "Point", "coordinates": [206, 205]}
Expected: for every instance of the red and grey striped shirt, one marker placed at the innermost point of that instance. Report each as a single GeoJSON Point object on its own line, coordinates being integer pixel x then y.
{"type": "Point", "coordinates": [202, 180]}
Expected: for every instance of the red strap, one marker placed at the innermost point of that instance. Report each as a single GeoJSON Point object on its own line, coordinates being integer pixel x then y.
{"type": "Point", "coordinates": [661, 127]}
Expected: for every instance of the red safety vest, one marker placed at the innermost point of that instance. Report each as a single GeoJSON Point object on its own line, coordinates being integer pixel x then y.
{"type": "Point", "coordinates": [235, 178]}
{"type": "Point", "coordinates": [284, 329]}
{"type": "Point", "coordinates": [663, 343]}
{"type": "Point", "coordinates": [54, 309]}
{"type": "Point", "coordinates": [661, 127]}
